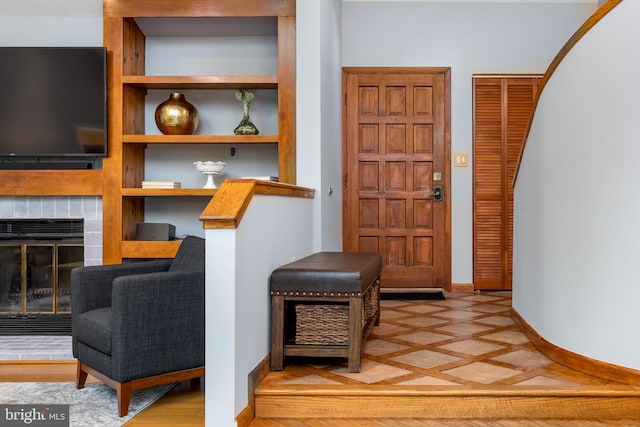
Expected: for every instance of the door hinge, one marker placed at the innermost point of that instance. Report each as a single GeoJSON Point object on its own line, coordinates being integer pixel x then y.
{"type": "Point", "coordinates": [346, 180]}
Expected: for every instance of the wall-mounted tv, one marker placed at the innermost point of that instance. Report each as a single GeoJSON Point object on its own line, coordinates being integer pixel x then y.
{"type": "Point", "coordinates": [53, 103]}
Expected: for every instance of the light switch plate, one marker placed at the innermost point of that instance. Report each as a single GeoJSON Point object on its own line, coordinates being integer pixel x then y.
{"type": "Point", "coordinates": [460, 160]}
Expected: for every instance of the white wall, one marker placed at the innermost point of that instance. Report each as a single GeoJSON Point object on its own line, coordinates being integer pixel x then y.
{"type": "Point", "coordinates": [51, 23]}
{"type": "Point", "coordinates": [330, 188]}
{"type": "Point", "coordinates": [470, 38]}
{"type": "Point", "coordinates": [47, 31]}
{"type": "Point", "coordinates": [576, 207]}
{"type": "Point", "coordinates": [319, 115]}
{"type": "Point", "coordinates": [274, 231]}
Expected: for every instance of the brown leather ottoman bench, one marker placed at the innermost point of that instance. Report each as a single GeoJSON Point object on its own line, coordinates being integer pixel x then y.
{"type": "Point", "coordinates": [324, 305]}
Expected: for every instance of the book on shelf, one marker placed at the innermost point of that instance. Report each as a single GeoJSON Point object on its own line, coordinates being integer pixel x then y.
{"type": "Point", "coordinates": [262, 178]}
{"type": "Point", "coordinates": [161, 184]}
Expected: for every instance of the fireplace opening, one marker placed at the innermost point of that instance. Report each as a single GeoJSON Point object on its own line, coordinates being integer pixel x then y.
{"type": "Point", "coordinates": [36, 259]}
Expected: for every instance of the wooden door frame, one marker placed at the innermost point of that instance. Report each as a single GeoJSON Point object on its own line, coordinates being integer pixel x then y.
{"type": "Point", "coordinates": [446, 179]}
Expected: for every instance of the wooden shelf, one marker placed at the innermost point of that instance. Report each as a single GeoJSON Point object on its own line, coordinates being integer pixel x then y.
{"type": "Point", "coordinates": [200, 139]}
{"type": "Point", "coordinates": [149, 249]}
{"type": "Point", "coordinates": [201, 82]}
{"type": "Point", "coordinates": [128, 27]}
{"type": "Point", "coordinates": [168, 192]}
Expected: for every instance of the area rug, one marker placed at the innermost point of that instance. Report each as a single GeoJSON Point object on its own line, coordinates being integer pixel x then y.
{"type": "Point", "coordinates": [94, 405]}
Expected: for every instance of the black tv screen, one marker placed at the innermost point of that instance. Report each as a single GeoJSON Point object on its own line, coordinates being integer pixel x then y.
{"type": "Point", "coordinates": [53, 102]}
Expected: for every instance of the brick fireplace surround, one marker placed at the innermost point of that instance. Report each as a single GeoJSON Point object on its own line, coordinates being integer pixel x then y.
{"type": "Point", "coordinates": [88, 208]}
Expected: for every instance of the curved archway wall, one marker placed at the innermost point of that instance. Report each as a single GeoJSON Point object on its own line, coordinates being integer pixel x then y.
{"type": "Point", "coordinates": [577, 199]}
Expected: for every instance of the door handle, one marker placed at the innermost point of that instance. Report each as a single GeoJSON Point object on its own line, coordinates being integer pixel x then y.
{"type": "Point", "coordinates": [437, 194]}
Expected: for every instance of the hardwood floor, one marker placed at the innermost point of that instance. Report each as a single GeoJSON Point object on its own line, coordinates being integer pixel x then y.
{"type": "Point", "coordinates": [183, 406]}
{"type": "Point", "coordinates": [37, 371]}
{"type": "Point", "coordinates": [413, 371]}
{"type": "Point", "coordinates": [422, 422]}
{"type": "Point", "coordinates": [461, 361]}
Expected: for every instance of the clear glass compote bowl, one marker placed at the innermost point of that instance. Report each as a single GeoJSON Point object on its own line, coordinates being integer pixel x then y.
{"type": "Point", "coordinates": [209, 169]}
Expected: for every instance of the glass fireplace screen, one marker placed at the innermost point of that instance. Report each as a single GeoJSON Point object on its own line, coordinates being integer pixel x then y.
{"type": "Point", "coordinates": [36, 278]}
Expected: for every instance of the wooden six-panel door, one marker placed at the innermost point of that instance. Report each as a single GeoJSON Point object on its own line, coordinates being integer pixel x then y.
{"type": "Point", "coordinates": [396, 172]}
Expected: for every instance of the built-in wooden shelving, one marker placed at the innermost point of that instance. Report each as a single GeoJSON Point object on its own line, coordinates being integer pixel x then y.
{"type": "Point", "coordinates": [168, 192]}
{"type": "Point", "coordinates": [202, 82]}
{"type": "Point", "coordinates": [200, 139]}
{"type": "Point", "coordinates": [127, 26]}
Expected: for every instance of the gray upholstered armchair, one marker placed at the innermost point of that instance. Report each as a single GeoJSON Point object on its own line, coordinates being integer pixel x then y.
{"type": "Point", "coordinates": [140, 324]}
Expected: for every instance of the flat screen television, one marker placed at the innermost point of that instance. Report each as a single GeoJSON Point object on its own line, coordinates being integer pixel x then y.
{"type": "Point", "coordinates": [53, 103]}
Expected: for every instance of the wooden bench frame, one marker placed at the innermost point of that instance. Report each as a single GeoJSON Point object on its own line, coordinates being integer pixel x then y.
{"type": "Point", "coordinates": [358, 331]}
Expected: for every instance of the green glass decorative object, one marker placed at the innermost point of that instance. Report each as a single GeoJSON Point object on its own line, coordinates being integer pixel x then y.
{"type": "Point", "coordinates": [246, 127]}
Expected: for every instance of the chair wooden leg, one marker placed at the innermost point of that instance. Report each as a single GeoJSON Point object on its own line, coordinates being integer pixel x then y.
{"type": "Point", "coordinates": [124, 397]}
{"type": "Point", "coordinates": [124, 390]}
{"type": "Point", "coordinates": [81, 376]}
{"type": "Point", "coordinates": [195, 383]}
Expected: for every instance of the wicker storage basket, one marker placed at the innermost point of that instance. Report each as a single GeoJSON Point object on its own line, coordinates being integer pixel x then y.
{"type": "Point", "coordinates": [328, 324]}
{"type": "Point", "coordinates": [322, 324]}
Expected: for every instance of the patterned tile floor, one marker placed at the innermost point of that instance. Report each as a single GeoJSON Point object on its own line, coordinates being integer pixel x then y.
{"type": "Point", "coordinates": [465, 340]}
{"type": "Point", "coordinates": [35, 347]}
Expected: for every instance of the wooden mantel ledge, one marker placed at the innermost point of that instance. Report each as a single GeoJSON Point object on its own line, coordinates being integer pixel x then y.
{"type": "Point", "coordinates": [226, 208]}
{"type": "Point", "coordinates": [47, 182]}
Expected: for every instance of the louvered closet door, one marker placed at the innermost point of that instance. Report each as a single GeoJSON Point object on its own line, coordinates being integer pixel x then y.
{"type": "Point", "coordinates": [502, 110]}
